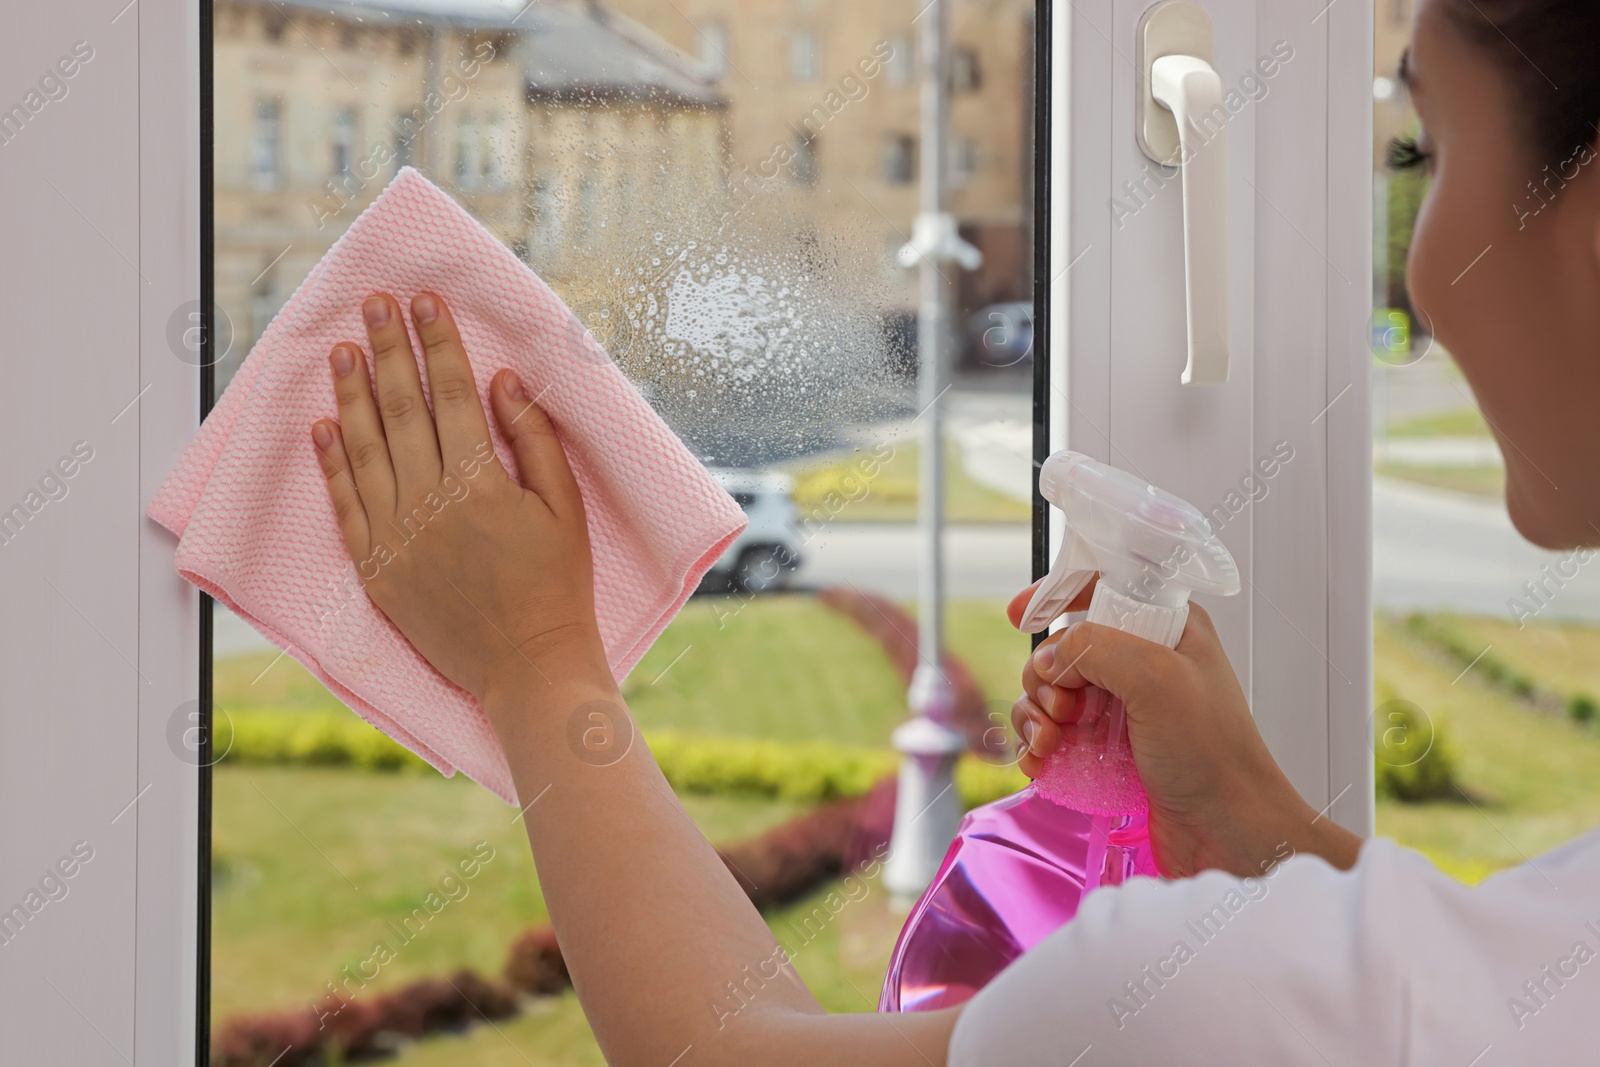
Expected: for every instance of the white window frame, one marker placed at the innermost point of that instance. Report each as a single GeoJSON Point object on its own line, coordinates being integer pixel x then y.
{"type": "Point", "coordinates": [1300, 187]}
{"type": "Point", "coordinates": [100, 642]}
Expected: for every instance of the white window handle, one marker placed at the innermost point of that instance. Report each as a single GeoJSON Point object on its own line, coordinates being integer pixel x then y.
{"type": "Point", "coordinates": [1175, 50]}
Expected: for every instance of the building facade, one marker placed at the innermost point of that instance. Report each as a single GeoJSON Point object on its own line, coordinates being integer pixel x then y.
{"type": "Point", "coordinates": [555, 129]}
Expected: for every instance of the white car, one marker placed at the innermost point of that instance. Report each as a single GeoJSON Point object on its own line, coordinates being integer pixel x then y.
{"type": "Point", "coordinates": [767, 554]}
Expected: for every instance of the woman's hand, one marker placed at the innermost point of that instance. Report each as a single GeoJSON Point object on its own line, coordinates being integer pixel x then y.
{"type": "Point", "coordinates": [1217, 797]}
{"type": "Point", "coordinates": [488, 577]}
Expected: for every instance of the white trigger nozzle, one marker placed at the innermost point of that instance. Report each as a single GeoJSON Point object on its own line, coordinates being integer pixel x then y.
{"type": "Point", "coordinates": [1074, 566]}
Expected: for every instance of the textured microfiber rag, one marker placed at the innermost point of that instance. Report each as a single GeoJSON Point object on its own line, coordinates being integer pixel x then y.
{"type": "Point", "coordinates": [250, 505]}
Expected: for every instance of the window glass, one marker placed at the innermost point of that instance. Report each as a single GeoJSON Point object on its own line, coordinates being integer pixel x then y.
{"type": "Point", "coordinates": [721, 195]}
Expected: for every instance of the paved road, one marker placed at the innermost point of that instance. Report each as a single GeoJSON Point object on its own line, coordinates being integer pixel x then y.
{"type": "Point", "coordinates": [980, 561]}
{"type": "Point", "coordinates": [1433, 548]}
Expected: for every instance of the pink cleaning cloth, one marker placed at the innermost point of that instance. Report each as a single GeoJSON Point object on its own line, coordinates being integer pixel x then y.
{"type": "Point", "coordinates": [250, 506]}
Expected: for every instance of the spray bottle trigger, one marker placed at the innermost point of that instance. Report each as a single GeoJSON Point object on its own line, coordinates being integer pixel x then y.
{"type": "Point", "coordinates": [1075, 565]}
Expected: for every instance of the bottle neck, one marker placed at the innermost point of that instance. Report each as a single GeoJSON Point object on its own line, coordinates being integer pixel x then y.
{"type": "Point", "coordinates": [1154, 622]}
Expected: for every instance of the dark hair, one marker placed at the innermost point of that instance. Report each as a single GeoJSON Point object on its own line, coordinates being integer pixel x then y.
{"type": "Point", "coordinates": [1549, 52]}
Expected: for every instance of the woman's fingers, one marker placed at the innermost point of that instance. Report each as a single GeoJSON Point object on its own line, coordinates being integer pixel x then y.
{"type": "Point", "coordinates": [1091, 654]}
{"type": "Point", "coordinates": [407, 423]}
{"type": "Point", "coordinates": [457, 408]}
{"type": "Point", "coordinates": [365, 447]}
{"type": "Point", "coordinates": [541, 461]}
{"type": "Point", "coordinates": [353, 522]}
{"type": "Point", "coordinates": [1039, 734]}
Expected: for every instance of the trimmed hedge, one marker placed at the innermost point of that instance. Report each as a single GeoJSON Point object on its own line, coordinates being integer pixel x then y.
{"type": "Point", "coordinates": [309, 738]}
{"type": "Point", "coordinates": [811, 771]}
{"type": "Point", "coordinates": [1414, 760]}
{"type": "Point", "coordinates": [1448, 638]}
{"type": "Point", "coordinates": [1442, 633]}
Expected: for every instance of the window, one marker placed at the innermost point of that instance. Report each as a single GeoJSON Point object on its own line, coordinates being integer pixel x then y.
{"type": "Point", "coordinates": [804, 167]}
{"type": "Point", "coordinates": [343, 141]}
{"type": "Point", "coordinates": [899, 158]}
{"type": "Point", "coordinates": [714, 49]}
{"type": "Point", "coordinates": [805, 63]}
{"type": "Point", "coordinates": [264, 303]}
{"type": "Point", "coordinates": [266, 164]}
{"type": "Point", "coordinates": [746, 285]}
{"type": "Point", "coordinates": [588, 210]}
{"type": "Point", "coordinates": [963, 160]}
{"type": "Point", "coordinates": [544, 227]}
{"type": "Point", "coordinates": [900, 67]}
{"type": "Point", "coordinates": [964, 70]}
{"type": "Point", "coordinates": [406, 133]}
{"type": "Point", "coordinates": [469, 153]}
{"type": "Point", "coordinates": [499, 153]}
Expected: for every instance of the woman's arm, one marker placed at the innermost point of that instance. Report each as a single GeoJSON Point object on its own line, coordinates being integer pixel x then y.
{"type": "Point", "coordinates": [496, 591]}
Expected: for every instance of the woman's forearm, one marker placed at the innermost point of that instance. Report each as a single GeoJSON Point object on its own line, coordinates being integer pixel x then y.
{"type": "Point", "coordinates": [657, 934]}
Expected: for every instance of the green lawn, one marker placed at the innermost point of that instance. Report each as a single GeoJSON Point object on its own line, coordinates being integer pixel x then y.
{"type": "Point", "coordinates": [1563, 657]}
{"type": "Point", "coordinates": [776, 667]}
{"type": "Point", "coordinates": [1535, 777]}
{"type": "Point", "coordinates": [1460, 422]}
{"type": "Point", "coordinates": [1477, 481]}
{"type": "Point", "coordinates": [978, 633]}
{"type": "Point", "coordinates": [266, 680]}
{"type": "Point", "coordinates": [310, 864]}
{"type": "Point", "coordinates": [891, 495]}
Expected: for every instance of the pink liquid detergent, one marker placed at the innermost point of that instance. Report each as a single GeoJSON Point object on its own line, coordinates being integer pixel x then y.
{"type": "Point", "coordinates": [1019, 868]}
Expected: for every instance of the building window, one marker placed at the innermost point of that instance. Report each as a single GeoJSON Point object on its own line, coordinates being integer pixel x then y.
{"type": "Point", "coordinates": [805, 61]}
{"type": "Point", "coordinates": [266, 163]}
{"type": "Point", "coordinates": [405, 139]}
{"type": "Point", "coordinates": [469, 152]}
{"type": "Point", "coordinates": [545, 227]}
{"type": "Point", "coordinates": [588, 211]}
{"type": "Point", "coordinates": [264, 303]}
{"type": "Point", "coordinates": [901, 64]}
{"type": "Point", "coordinates": [273, 24]}
{"type": "Point", "coordinates": [964, 76]}
{"type": "Point", "coordinates": [343, 141]}
{"type": "Point", "coordinates": [963, 160]}
{"type": "Point", "coordinates": [714, 50]}
{"type": "Point", "coordinates": [804, 165]}
{"type": "Point", "coordinates": [496, 153]}
{"type": "Point", "coordinates": [899, 158]}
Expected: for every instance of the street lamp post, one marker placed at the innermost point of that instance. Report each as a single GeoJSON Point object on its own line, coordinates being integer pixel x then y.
{"type": "Point", "coordinates": [927, 809]}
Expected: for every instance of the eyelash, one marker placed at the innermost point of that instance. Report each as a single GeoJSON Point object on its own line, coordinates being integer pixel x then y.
{"type": "Point", "coordinates": [1405, 154]}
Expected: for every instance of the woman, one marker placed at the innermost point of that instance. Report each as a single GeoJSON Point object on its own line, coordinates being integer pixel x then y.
{"type": "Point", "coordinates": [1289, 940]}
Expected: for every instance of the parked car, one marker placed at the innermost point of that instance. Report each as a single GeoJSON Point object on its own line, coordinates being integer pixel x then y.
{"type": "Point", "coordinates": [767, 554]}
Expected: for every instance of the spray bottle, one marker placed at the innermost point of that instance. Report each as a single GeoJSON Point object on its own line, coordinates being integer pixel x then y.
{"type": "Point", "coordinates": [1019, 867]}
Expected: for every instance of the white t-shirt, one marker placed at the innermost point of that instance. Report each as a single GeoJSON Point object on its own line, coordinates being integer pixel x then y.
{"type": "Point", "coordinates": [1392, 962]}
